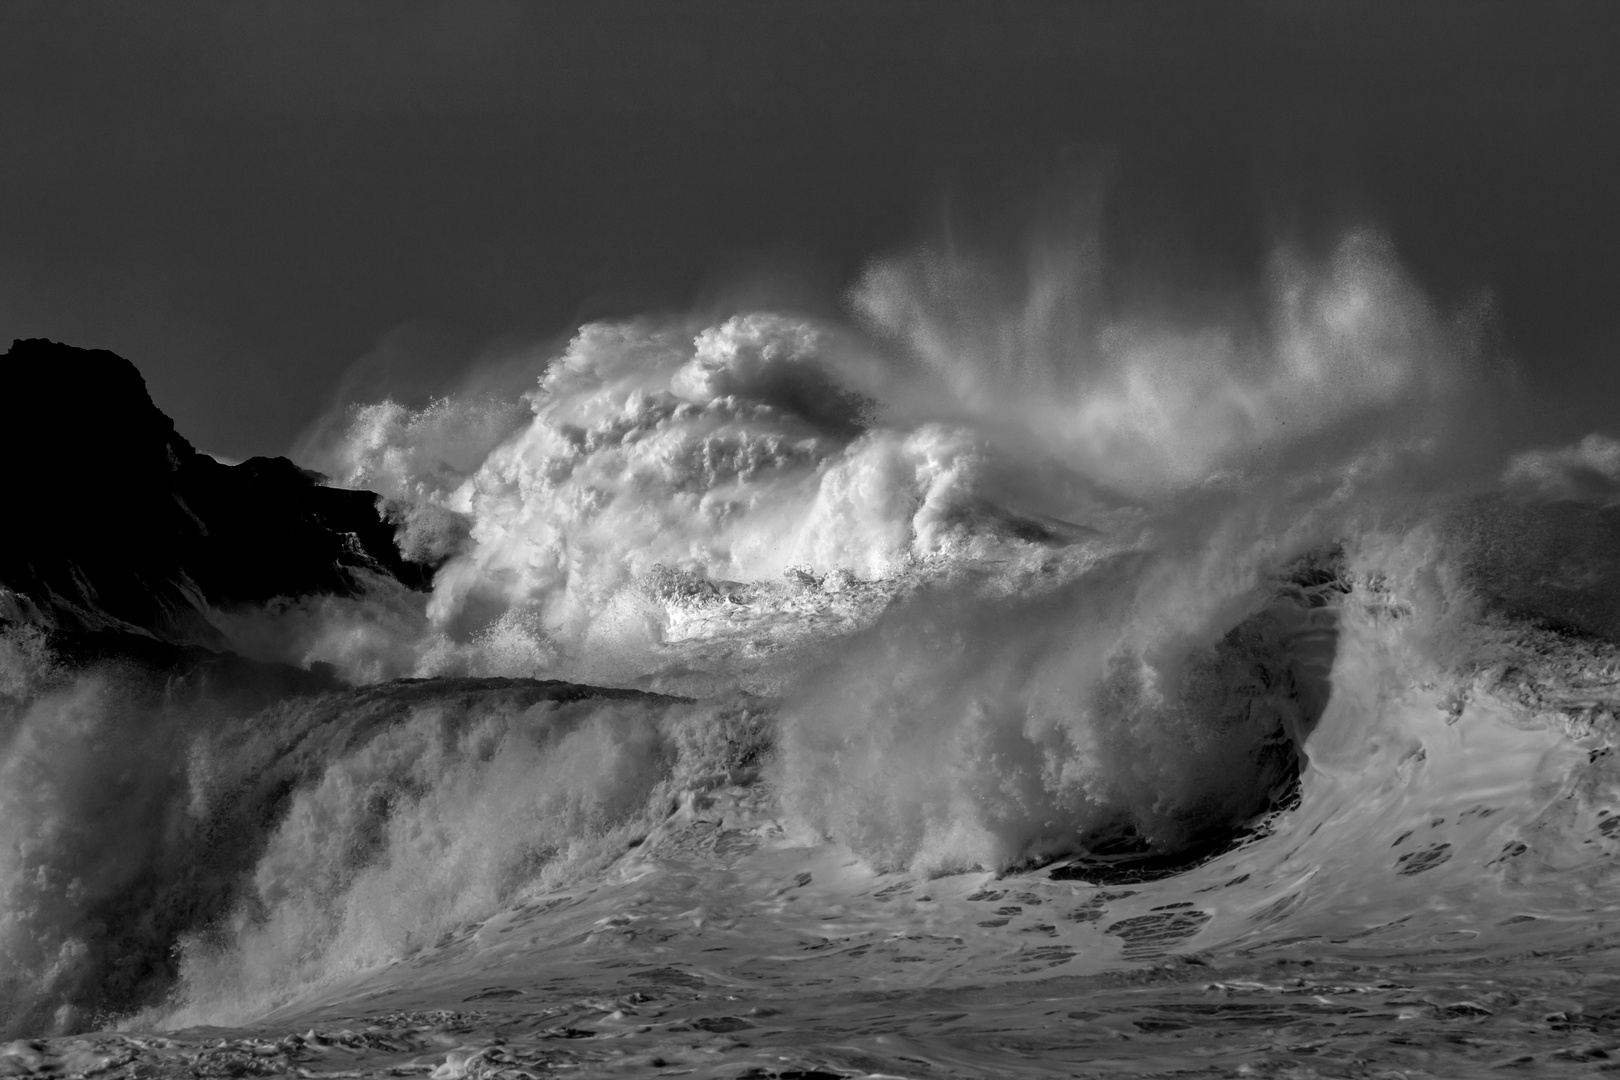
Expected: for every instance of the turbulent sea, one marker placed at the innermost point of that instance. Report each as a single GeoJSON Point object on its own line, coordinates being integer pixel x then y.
{"type": "Point", "coordinates": [999, 687]}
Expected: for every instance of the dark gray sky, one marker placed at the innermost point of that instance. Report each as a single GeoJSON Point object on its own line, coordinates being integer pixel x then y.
{"type": "Point", "coordinates": [246, 198]}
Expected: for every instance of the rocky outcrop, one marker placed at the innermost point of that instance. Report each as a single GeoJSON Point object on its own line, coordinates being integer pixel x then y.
{"type": "Point", "coordinates": [116, 523]}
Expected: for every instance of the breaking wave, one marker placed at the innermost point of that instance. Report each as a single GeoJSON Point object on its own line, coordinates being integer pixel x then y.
{"type": "Point", "coordinates": [991, 576]}
{"type": "Point", "coordinates": [676, 500]}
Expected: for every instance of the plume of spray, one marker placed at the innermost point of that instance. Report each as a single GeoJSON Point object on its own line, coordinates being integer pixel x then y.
{"type": "Point", "coordinates": [694, 506]}
{"type": "Point", "coordinates": [1143, 687]}
{"type": "Point", "coordinates": [662, 471]}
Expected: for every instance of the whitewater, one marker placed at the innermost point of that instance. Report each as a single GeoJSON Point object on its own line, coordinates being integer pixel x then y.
{"type": "Point", "coordinates": [997, 681]}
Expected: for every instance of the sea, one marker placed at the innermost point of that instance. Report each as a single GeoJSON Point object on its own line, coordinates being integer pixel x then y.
{"type": "Point", "coordinates": [978, 684]}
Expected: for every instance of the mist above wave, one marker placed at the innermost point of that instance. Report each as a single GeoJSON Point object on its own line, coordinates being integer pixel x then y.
{"type": "Point", "coordinates": [695, 505]}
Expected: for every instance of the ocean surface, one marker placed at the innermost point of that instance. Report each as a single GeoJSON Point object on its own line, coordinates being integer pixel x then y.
{"type": "Point", "coordinates": [977, 688]}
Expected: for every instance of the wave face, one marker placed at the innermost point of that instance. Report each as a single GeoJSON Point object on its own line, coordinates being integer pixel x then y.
{"type": "Point", "coordinates": [1219, 634]}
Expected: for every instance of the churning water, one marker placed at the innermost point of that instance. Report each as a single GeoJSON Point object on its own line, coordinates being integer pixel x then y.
{"type": "Point", "coordinates": [1008, 689]}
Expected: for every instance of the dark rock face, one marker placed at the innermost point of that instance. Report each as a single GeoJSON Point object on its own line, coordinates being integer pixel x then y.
{"type": "Point", "coordinates": [115, 522]}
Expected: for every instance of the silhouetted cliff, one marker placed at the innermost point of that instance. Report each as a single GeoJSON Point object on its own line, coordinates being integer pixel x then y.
{"type": "Point", "coordinates": [115, 522]}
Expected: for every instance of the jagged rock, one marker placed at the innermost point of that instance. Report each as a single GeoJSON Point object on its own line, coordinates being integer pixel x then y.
{"type": "Point", "coordinates": [117, 523]}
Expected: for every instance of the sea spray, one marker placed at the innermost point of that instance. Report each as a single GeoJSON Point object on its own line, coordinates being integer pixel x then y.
{"type": "Point", "coordinates": [1026, 586]}
{"type": "Point", "coordinates": [970, 422]}
{"type": "Point", "coordinates": [166, 840]}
